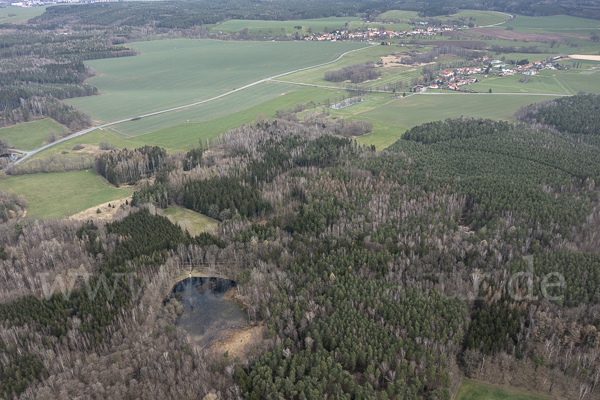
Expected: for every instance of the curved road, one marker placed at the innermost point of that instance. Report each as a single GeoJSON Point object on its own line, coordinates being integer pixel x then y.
{"type": "Point", "coordinates": [499, 23]}
{"type": "Point", "coordinates": [83, 132]}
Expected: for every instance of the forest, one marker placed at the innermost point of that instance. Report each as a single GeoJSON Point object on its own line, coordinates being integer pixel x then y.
{"type": "Point", "coordinates": [579, 115]}
{"type": "Point", "coordinates": [40, 65]}
{"type": "Point", "coordinates": [354, 73]}
{"type": "Point", "coordinates": [469, 248]}
{"type": "Point", "coordinates": [185, 15]}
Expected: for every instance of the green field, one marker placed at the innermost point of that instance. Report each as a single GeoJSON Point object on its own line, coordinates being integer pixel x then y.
{"type": "Point", "coordinates": [19, 15]}
{"type": "Point", "coordinates": [269, 28]}
{"type": "Point", "coordinates": [480, 18]}
{"type": "Point", "coordinates": [63, 193]}
{"type": "Point", "coordinates": [179, 137]}
{"type": "Point", "coordinates": [553, 23]}
{"type": "Point", "coordinates": [418, 109]}
{"type": "Point", "coordinates": [170, 73]}
{"type": "Point", "coordinates": [224, 106]}
{"type": "Point", "coordinates": [31, 135]}
{"type": "Point", "coordinates": [195, 223]}
{"type": "Point", "coordinates": [400, 15]}
{"type": "Point", "coordinates": [383, 134]}
{"type": "Point", "coordinates": [568, 82]}
{"type": "Point", "coordinates": [315, 76]}
{"type": "Point", "coordinates": [470, 390]}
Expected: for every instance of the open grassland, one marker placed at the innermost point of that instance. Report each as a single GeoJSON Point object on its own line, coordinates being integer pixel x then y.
{"type": "Point", "coordinates": [547, 81]}
{"type": "Point", "coordinates": [567, 82]}
{"type": "Point", "coordinates": [400, 15]}
{"type": "Point", "coordinates": [195, 223]}
{"type": "Point", "coordinates": [383, 134]}
{"type": "Point", "coordinates": [19, 15]}
{"type": "Point", "coordinates": [316, 76]}
{"type": "Point", "coordinates": [58, 194]}
{"type": "Point", "coordinates": [31, 135]}
{"type": "Point", "coordinates": [224, 106]}
{"type": "Point", "coordinates": [578, 80]}
{"type": "Point", "coordinates": [418, 109]}
{"type": "Point", "coordinates": [270, 28]}
{"type": "Point", "coordinates": [470, 390]}
{"type": "Point", "coordinates": [171, 73]}
{"type": "Point", "coordinates": [175, 72]}
{"type": "Point", "coordinates": [179, 137]}
{"type": "Point", "coordinates": [480, 18]}
{"type": "Point", "coordinates": [553, 23]}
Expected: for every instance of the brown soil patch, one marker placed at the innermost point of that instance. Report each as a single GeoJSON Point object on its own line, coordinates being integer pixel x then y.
{"type": "Point", "coordinates": [239, 341]}
{"type": "Point", "coordinates": [392, 61]}
{"type": "Point", "coordinates": [584, 57]}
{"type": "Point", "coordinates": [89, 149]}
{"type": "Point", "coordinates": [454, 34]}
{"type": "Point", "coordinates": [530, 37]}
{"type": "Point", "coordinates": [107, 213]}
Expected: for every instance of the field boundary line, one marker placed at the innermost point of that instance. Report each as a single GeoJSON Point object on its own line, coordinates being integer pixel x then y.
{"type": "Point", "coordinates": [269, 79]}
{"type": "Point", "coordinates": [492, 94]}
{"type": "Point", "coordinates": [326, 87]}
{"type": "Point", "coordinates": [499, 23]}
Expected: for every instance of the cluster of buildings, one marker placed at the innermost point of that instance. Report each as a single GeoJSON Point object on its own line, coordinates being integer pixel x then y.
{"type": "Point", "coordinates": [377, 34]}
{"type": "Point", "coordinates": [529, 68]}
{"type": "Point", "coordinates": [455, 79]}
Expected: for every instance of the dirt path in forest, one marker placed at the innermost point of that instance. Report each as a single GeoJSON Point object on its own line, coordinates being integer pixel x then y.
{"type": "Point", "coordinates": [106, 213]}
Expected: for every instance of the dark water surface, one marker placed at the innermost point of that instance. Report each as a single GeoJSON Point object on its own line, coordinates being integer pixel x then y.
{"type": "Point", "coordinates": [207, 316]}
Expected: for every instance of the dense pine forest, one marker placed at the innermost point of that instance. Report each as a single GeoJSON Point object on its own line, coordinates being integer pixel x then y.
{"type": "Point", "coordinates": [469, 248]}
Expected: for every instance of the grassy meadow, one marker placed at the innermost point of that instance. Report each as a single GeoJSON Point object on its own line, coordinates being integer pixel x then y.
{"type": "Point", "coordinates": [269, 28]}
{"type": "Point", "coordinates": [31, 135]}
{"type": "Point", "coordinates": [315, 76]}
{"type": "Point", "coordinates": [224, 106]}
{"type": "Point", "coordinates": [63, 193]}
{"type": "Point", "coordinates": [480, 18]}
{"type": "Point", "coordinates": [179, 137]}
{"type": "Point", "coordinates": [471, 390]}
{"type": "Point", "coordinates": [171, 73]}
{"type": "Point", "coordinates": [195, 223]}
{"type": "Point", "coordinates": [19, 15]}
{"type": "Point", "coordinates": [522, 23]}
{"type": "Point", "coordinates": [418, 109]}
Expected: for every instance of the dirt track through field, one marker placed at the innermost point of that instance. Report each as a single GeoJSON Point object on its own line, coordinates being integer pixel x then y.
{"type": "Point", "coordinates": [134, 117]}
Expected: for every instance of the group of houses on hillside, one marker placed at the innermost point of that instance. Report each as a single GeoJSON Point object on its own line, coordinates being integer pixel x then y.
{"type": "Point", "coordinates": [457, 78]}
{"type": "Point", "coordinates": [377, 34]}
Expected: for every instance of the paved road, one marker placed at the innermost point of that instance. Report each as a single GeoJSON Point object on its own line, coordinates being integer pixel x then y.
{"type": "Point", "coordinates": [83, 132]}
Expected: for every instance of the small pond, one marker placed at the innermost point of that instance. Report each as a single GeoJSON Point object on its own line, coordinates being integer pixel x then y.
{"type": "Point", "coordinates": [208, 314]}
